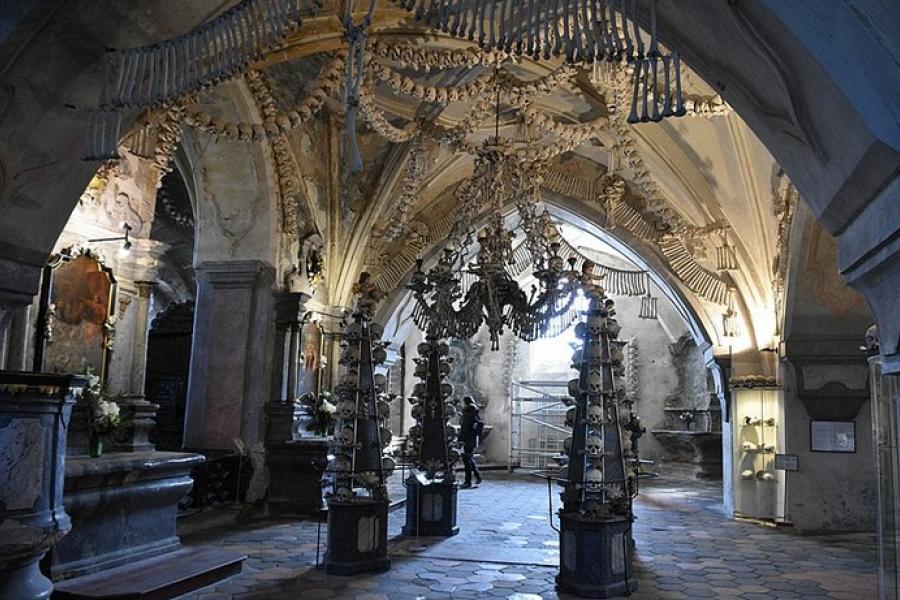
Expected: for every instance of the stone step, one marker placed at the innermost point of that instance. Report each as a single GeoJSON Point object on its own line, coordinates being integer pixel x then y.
{"type": "Point", "coordinates": [158, 578]}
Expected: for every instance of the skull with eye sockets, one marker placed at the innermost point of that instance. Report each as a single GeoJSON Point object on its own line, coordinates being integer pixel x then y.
{"type": "Point", "coordinates": [595, 382]}
{"type": "Point", "coordinates": [346, 410]}
{"type": "Point", "coordinates": [593, 479]}
{"type": "Point", "coordinates": [594, 446]}
{"type": "Point", "coordinates": [595, 324]}
{"type": "Point", "coordinates": [595, 414]}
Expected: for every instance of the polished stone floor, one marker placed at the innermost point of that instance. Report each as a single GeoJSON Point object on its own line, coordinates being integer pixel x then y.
{"type": "Point", "coordinates": [507, 549]}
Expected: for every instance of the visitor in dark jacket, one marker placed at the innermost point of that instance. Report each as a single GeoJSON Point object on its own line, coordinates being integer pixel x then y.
{"type": "Point", "coordinates": [468, 435]}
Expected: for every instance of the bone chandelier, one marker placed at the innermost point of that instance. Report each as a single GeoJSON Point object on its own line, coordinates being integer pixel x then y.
{"type": "Point", "coordinates": [444, 309]}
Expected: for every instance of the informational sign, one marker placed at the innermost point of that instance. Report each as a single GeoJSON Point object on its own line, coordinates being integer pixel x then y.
{"type": "Point", "coordinates": [832, 436]}
{"type": "Point", "coordinates": [787, 462]}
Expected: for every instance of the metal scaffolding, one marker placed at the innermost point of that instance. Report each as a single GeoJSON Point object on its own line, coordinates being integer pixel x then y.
{"type": "Point", "coordinates": [536, 423]}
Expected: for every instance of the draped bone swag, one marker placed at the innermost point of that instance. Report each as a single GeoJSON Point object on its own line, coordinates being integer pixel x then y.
{"type": "Point", "coordinates": [426, 102]}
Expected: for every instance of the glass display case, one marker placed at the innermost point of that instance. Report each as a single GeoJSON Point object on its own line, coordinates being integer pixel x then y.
{"type": "Point", "coordinates": [885, 390]}
{"type": "Point", "coordinates": [756, 414]}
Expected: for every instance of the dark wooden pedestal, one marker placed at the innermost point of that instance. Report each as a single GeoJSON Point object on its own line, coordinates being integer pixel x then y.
{"type": "Point", "coordinates": [595, 557]}
{"type": "Point", "coordinates": [431, 509]}
{"type": "Point", "coordinates": [357, 537]}
{"type": "Point", "coordinates": [295, 477]}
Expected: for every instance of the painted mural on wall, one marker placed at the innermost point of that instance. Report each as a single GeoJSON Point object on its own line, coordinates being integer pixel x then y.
{"type": "Point", "coordinates": [78, 326]}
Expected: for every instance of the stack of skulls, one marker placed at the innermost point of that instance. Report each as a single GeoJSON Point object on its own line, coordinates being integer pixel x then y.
{"type": "Point", "coordinates": [432, 438]}
{"type": "Point", "coordinates": [363, 408]}
{"type": "Point", "coordinates": [598, 476]}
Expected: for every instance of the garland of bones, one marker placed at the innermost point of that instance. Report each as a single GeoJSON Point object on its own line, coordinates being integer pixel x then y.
{"type": "Point", "coordinates": [520, 94]}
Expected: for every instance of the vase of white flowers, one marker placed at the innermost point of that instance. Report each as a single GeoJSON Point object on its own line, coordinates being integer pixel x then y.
{"type": "Point", "coordinates": [102, 414]}
{"type": "Point", "coordinates": [321, 412]}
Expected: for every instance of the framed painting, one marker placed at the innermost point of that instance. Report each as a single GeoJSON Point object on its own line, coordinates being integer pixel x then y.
{"type": "Point", "coordinates": [76, 322]}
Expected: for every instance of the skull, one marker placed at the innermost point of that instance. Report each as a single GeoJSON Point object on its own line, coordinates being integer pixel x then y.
{"type": "Point", "coordinates": [345, 436]}
{"type": "Point", "coordinates": [580, 330]}
{"type": "Point", "coordinates": [595, 414]}
{"type": "Point", "coordinates": [615, 354]}
{"type": "Point", "coordinates": [443, 349]}
{"type": "Point", "coordinates": [375, 331]}
{"type": "Point", "coordinates": [350, 355]}
{"type": "Point", "coordinates": [350, 378]}
{"type": "Point", "coordinates": [765, 476]}
{"type": "Point", "coordinates": [595, 382]}
{"type": "Point", "coordinates": [346, 409]}
{"type": "Point", "coordinates": [595, 324]}
{"type": "Point", "coordinates": [343, 494]}
{"type": "Point", "coordinates": [419, 389]}
{"type": "Point", "coordinates": [593, 479]}
{"type": "Point", "coordinates": [873, 344]}
{"type": "Point", "coordinates": [449, 410]}
{"type": "Point", "coordinates": [380, 380]}
{"type": "Point", "coordinates": [594, 445]}
{"type": "Point", "coordinates": [445, 368]}
{"type": "Point", "coordinates": [386, 437]}
{"type": "Point", "coordinates": [417, 412]}
{"type": "Point", "coordinates": [423, 349]}
{"type": "Point", "coordinates": [388, 465]}
{"type": "Point", "coordinates": [570, 417]}
{"type": "Point", "coordinates": [384, 409]}
{"type": "Point", "coordinates": [421, 369]}
{"type": "Point", "coordinates": [415, 431]}
{"type": "Point", "coordinates": [574, 391]}
{"type": "Point", "coordinates": [595, 352]}
{"type": "Point", "coordinates": [613, 328]}
{"type": "Point", "coordinates": [446, 390]}
{"type": "Point", "coordinates": [567, 445]}
{"type": "Point", "coordinates": [379, 355]}
{"type": "Point", "coordinates": [352, 331]}
{"type": "Point", "coordinates": [340, 463]}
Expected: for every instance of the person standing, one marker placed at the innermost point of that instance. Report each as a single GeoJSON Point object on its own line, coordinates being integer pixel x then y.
{"type": "Point", "coordinates": [470, 429]}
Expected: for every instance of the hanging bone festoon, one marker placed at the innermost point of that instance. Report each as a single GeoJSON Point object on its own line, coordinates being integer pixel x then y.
{"type": "Point", "coordinates": [583, 31]}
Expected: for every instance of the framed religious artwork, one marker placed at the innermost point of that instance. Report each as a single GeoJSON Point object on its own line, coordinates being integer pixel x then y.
{"type": "Point", "coordinates": [76, 320]}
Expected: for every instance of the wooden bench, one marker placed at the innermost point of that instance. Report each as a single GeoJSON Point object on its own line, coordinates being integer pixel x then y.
{"type": "Point", "coordinates": [158, 578]}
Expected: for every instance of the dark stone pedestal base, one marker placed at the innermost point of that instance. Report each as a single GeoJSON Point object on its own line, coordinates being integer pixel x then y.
{"type": "Point", "coordinates": [24, 581]}
{"type": "Point", "coordinates": [595, 558]}
{"type": "Point", "coordinates": [357, 537]}
{"type": "Point", "coordinates": [123, 509]}
{"type": "Point", "coordinates": [431, 509]}
{"type": "Point", "coordinates": [295, 476]}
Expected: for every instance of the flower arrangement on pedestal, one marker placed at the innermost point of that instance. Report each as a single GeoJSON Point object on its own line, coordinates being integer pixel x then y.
{"type": "Point", "coordinates": [102, 413]}
{"type": "Point", "coordinates": [321, 411]}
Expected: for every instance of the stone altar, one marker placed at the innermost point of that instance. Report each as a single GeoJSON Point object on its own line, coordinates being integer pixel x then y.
{"type": "Point", "coordinates": [123, 508]}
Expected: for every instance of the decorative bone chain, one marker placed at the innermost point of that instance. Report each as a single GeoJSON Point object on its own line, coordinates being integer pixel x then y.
{"type": "Point", "coordinates": [155, 75]}
{"type": "Point", "coordinates": [581, 30]}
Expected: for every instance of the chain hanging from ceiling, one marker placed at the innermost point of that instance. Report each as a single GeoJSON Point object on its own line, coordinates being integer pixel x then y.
{"type": "Point", "coordinates": [583, 31]}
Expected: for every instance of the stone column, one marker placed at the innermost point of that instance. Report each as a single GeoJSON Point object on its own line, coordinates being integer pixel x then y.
{"type": "Point", "coordinates": [129, 365]}
{"type": "Point", "coordinates": [231, 354]}
{"type": "Point", "coordinates": [17, 338]}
